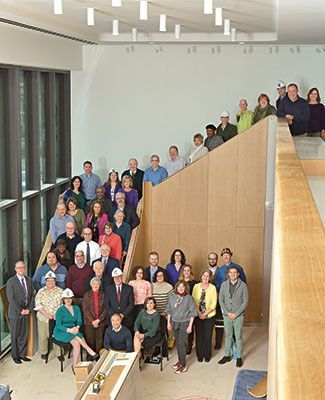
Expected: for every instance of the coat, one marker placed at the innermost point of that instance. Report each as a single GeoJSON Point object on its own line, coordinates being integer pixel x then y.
{"type": "Point", "coordinates": [89, 310]}
{"type": "Point", "coordinates": [125, 306]}
{"type": "Point", "coordinates": [16, 296]}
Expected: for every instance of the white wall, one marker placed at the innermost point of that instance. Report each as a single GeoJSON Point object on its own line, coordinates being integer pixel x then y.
{"type": "Point", "coordinates": [20, 46]}
{"type": "Point", "coordinates": [138, 103]}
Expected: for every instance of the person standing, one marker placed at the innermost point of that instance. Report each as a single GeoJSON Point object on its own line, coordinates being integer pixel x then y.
{"type": "Point", "coordinates": [131, 195]}
{"type": "Point", "coordinates": [226, 130]}
{"type": "Point", "coordinates": [149, 272]}
{"type": "Point", "coordinates": [136, 174]}
{"type": "Point", "coordinates": [20, 295]}
{"type": "Point", "coordinates": [89, 247]}
{"type": "Point", "coordinates": [245, 117]}
{"type": "Point", "coordinates": [282, 90]}
{"type": "Point", "coordinates": [316, 123]}
{"type": "Point", "coordinates": [156, 173]}
{"type": "Point", "coordinates": [264, 108]}
{"type": "Point", "coordinates": [175, 162]}
{"type": "Point", "coordinates": [173, 269]}
{"type": "Point", "coordinates": [53, 265]}
{"type": "Point", "coordinates": [222, 272]}
{"type": "Point", "coordinates": [199, 150]}
{"type": "Point", "coordinates": [90, 182]}
{"type": "Point", "coordinates": [233, 299]}
{"type": "Point", "coordinates": [59, 221]}
{"type": "Point", "coordinates": [212, 140]}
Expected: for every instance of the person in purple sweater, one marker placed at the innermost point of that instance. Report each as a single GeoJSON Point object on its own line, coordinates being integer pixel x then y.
{"type": "Point", "coordinates": [174, 268]}
{"type": "Point", "coordinates": [316, 123]}
{"type": "Point", "coordinates": [131, 195]}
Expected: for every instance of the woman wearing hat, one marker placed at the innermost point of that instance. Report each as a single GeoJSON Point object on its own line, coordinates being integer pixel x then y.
{"type": "Point", "coordinates": [67, 327]}
{"type": "Point", "coordinates": [47, 301]}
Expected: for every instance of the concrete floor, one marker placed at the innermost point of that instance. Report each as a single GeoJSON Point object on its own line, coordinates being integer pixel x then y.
{"type": "Point", "coordinates": [38, 381]}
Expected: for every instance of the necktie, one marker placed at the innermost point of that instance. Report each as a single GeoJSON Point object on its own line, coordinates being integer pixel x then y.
{"type": "Point", "coordinates": [88, 254]}
{"type": "Point", "coordinates": [133, 178]}
{"type": "Point", "coordinates": [119, 294]}
{"type": "Point", "coordinates": [23, 284]}
{"type": "Point", "coordinates": [104, 261]}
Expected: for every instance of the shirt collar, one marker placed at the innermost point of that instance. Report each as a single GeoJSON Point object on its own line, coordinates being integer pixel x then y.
{"type": "Point", "coordinates": [117, 330]}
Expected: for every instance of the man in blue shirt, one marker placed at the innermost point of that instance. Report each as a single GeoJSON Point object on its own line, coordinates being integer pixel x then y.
{"type": "Point", "coordinates": [59, 222]}
{"type": "Point", "coordinates": [90, 182]}
{"type": "Point", "coordinates": [222, 272]}
{"type": "Point", "coordinates": [155, 174]}
{"type": "Point", "coordinates": [53, 265]}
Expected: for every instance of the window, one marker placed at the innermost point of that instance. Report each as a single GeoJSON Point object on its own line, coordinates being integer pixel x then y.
{"type": "Point", "coordinates": [3, 194]}
{"type": "Point", "coordinates": [23, 97]}
{"type": "Point", "coordinates": [42, 134]}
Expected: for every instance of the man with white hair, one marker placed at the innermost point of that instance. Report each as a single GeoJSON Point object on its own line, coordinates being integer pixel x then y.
{"type": "Point", "coordinates": [90, 248]}
{"type": "Point", "coordinates": [225, 129]}
{"type": "Point", "coordinates": [130, 216]}
{"type": "Point", "coordinates": [136, 174]}
{"type": "Point", "coordinates": [59, 221]}
{"type": "Point", "coordinates": [245, 117]}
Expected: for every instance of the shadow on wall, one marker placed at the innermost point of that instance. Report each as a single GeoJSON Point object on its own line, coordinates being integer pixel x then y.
{"type": "Point", "coordinates": [102, 170]}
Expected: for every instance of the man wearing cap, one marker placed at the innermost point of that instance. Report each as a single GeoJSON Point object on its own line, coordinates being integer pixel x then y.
{"type": "Point", "coordinates": [225, 129]}
{"type": "Point", "coordinates": [175, 162]}
{"type": "Point", "coordinates": [282, 90]}
{"type": "Point", "coordinates": [136, 174]}
{"type": "Point", "coordinates": [222, 273]}
{"type": "Point", "coordinates": [78, 276]}
{"type": "Point", "coordinates": [20, 295]}
{"type": "Point", "coordinates": [71, 238]}
{"type": "Point", "coordinates": [156, 173]}
{"type": "Point", "coordinates": [233, 298]}
{"type": "Point", "coordinates": [90, 248]}
{"type": "Point", "coordinates": [212, 140]}
{"type": "Point", "coordinates": [119, 298]}
{"type": "Point", "coordinates": [47, 301]}
{"type": "Point", "coordinates": [245, 117]}
{"type": "Point", "coordinates": [109, 263]}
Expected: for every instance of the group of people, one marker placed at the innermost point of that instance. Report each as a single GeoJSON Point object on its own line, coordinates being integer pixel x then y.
{"type": "Point", "coordinates": [91, 307]}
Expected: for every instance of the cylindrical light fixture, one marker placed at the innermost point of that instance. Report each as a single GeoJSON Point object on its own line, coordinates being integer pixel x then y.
{"type": "Point", "coordinates": [134, 34]}
{"type": "Point", "coordinates": [218, 17]}
{"type": "Point", "coordinates": [177, 32]}
{"type": "Point", "coordinates": [143, 10]}
{"type": "Point", "coordinates": [208, 7]}
{"type": "Point", "coordinates": [115, 27]}
{"type": "Point", "coordinates": [233, 34]}
{"type": "Point", "coordinates": [90, 16]}
{"type": "Point", "coordinates": [226, 23]}
{"type": "Point", "coordinates": [116, 3]}
{"type": "Point", "coordinates": [162, 23]}
{"type": "Point", "coordinates": [58, 7]}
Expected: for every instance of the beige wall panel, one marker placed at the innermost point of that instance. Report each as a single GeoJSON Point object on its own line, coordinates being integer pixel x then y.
{"type": "Point", "coordinates": [220, 237]}
{"type": "Point", "coordinates": [248, 252]}
{"type": "Point", "coordinates": [222, 184]}
{"type": "Point", "coordinates": [165, 201]}
{"type": "Point", "coordinates": [193, 241]}
{"type": "Point", "coordinates": [165, 239]}
{"type": "Point", "coordinates": [251, 178]}
{"type": "Point", "coordinates": [194, 193]}
{"type": "Point", "coordinates": [313, 167]}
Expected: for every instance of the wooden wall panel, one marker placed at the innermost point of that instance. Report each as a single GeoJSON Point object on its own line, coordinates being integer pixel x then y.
{"type": "Point", "coordinates": [222, 184]}
{"type": "Point", "coordinates": [165, 239]}
{"type": "Point", "coordinates": [194, 193]}
{"type": "Point", "coordinates": [313, 167]}
{"type": "Point", "coordinates": [220, 237]}
{"type": "Point", "coordinates": [193, 241]}
{"type": "Point", "coordinates": [162, 196]}
{"type": "Point", "coordinates": [251, 178]}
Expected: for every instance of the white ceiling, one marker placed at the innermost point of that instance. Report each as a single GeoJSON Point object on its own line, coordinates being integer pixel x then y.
{"type": "Point", "coordinates": [266, 21]}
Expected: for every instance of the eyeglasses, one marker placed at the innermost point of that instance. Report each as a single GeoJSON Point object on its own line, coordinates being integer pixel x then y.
{"type": "Point", "coordinates": [212, 259]}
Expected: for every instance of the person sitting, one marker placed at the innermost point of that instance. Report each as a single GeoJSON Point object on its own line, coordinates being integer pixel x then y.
{"type": "Point", "coordinates": [136, 175]}
{"type": "Point", "coordinates": [122, 229]}
{"type": "Point", "coordinates": [222, 272]}
{"type": "Point", "coordinates": [98, 272]}
{"type": "Point", "coordinates": [96, 220]}
{"type": "Point", "coordinates": [173, 269]}
{"type": "Point", "coordinates": [53, 265]}
{"type": "Point", "coordinates": [71, 238]}
{"type": "Point", "coordinates": [225, 129]}
{"type": "Point", "coordinates": [199, 150]}
{"type": "Point", "coordinates": [282, 91]}
{"type": "Point", "coordinates": [212, 140]}
{"type": "Point", "coordinates": [90, 182]}
{"type": "Point", "coordinates": [90, 248]}
{"type": "Point", "coordinates": [150, 272]}
{"type": "Point", "coordinates": [75, 192]}
{"type": "Point", "coordinates": [233, 300]}
{"type": "Point", "coordinates": [47, 301]}
{"type": "Point", "coordinates": [59, 221]}
{"type": "Point", "coordinates": [62, 254]}
{"type": "Point", "coordinates": [112, 185]}
{"type": "Point", "coordinates": [245, 117]}
{"type": "Point", "coordinates": [77, 214]}
{"type": "Point", "coordinates": [130, 215]}
{"type": "Point", "coordinates": [94, 315]}
{"type": "Point", "coordinates": [107, 204]}
{"type": "Point", "coordinates": [141, 289]}
{"type": "Point", "coordinates": [264, 108]}
{"type": "Point", "coordinates": [119, 298]}
{"type": "Point", "coordinates": [131, 195]}
{"type": "Point", "coordinates": [68, 321]}
{"type": "Point", "coordinates": [316, 123]}
{"type": "Point", "coordinates": [146, 327]}
{"type": "Point", "coordinates": [156, 173]}
{"type": "Point", "coordinates": [78, 276]}
{"type": "Point", "coordinates": [118, 337]}
{"type": "Point", "coordinates": [113, 240]}
{"type": "Point", "coordinates": [175, 162]}
{"type": "Point", "coordinates": [109, 263]}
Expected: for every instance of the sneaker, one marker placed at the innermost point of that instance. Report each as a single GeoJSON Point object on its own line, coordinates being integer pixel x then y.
{"type": "Point", "coordinates": [176, 365]}
{"type": "Point", "coordinates": [239, 362]}
{"type": "Point", "coordinates": [181, 369]}
{"type": "Point", "coordinates": [224, 360]}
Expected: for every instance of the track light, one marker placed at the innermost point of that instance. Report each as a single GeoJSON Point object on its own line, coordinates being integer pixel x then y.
{"type": "Point", "coordinates": [177, 32]}
{"type": "Point", "coordinates": [115, 27]}
{"type": "Point", "coordinates": [134, 34]}
{"type": "Point", "coordinates": [58, 7]}
{"type": "Point", "coordinates": [143, 10]}
{"type": "Point", "coordinates": [226, 27]}
{"type": "Point", "coordinates": [318, 50]}
{"type": "Point", "coordinates": [208, 7]}
{"type": "Point", "coordinates": [218, 16]}
{"type": "Point", "coordinates": [162, 23]}
{"type": "Point", "coordinates": [233, 34]}
{"type": "Point", "coordinates": [90, 16]}
{"type": "Point", "coordinates": [291, 49]}
{"type": "Point", "coordinates": [116, 3]}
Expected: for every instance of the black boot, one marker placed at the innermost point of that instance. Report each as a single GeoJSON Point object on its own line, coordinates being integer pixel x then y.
{"type": "Point", "coordinates": [224, 360]}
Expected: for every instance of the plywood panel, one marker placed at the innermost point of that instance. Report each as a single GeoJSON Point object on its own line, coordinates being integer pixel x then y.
{"type": "Point", "coordinates": [248, 252]}
{"type": "Point", "coordinates": [220, 237]}
{"type": "Point", "coordinates": [251, 178]}
{"type": "Point", "coordinates": [165, 239]}
{"type": "Point", "coordinates": [222, 180]}
{"type": "Point", "coordinates": [194, 193]}
{"type": "Point", "coordinates": [165, 201]}
{"type": "Point", "coordinates": [193, 241]}
{"type": "Point", "coordinates": [313, 167]}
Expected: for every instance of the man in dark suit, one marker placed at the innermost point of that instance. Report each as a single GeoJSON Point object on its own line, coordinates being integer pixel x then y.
{"type": "Point", "coordinates": [130, 216]}
{"type": "Point", "coordinates": [149, 272]}
{"type": "Point", "coordinates": [136, 175]}
{"type": "Point", "coordinates": [119, 299]}
{"type": "Point", "coordinates": [20, 294]}
{"type": "Point", "coordinates": [109, 263]}
{"type": "Point", "coordinates": [71, 238]}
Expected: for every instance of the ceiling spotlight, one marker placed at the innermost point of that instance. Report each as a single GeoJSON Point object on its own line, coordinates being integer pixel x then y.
{"type": "Point", "coordinates": [162, 23]}
{"type": "Point", "coordinates": [90, 16]}
{"type": "Point", "coordinates": [213, 49]}
{"type": "Point", "coordinates": [291, 49]}
{"type": "Point", "coordinates": [58, 7]}
{"type": "Point", "coordinates": [188, 50]}
{"type": "Point", "coordinates": [143, 10]}
{"type": "Point", "coordinates": [193, 49]}
{"type": "Point", "coordinates": [298, 49]}
{"type": "Point", "coordinates": [245, 50]}
{"type": "Point", "coordinates": [270, 49]}
{"type": "Point", "coordinates": [132, 48]}
{"type": "Point", "coordinates": [116, 3]}
{"type": "Point", "coordinates": [318, 50]}
{"type": "Point", "coordinates": [233, 34]}
{"type": "Point", "coordinates": [277, 49]}
{"type": "Point", "coordinates": [218, 17]}
{"type": "Point", "coordinates": [226, 27]}
{"type": "Point", "coordinates": [208, 7]}
{"type": "Point", "coordinates": [127, 49]}
{"type": "Point", "coordinates": [134, 34]}
{"type": "Point", "coordinates": [177, 32]}
{"type": "Point", "coordinates": [115, 27]}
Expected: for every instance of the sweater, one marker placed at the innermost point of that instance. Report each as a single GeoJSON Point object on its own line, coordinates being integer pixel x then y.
{"type": "Point", "coordinates": [124, 232]}
{"type": "Point", "coordinates": [210, 297]}
{"type": "Point", "coordinates": [161, 293]}
{"type": "Point", "coordinates": [211, 142]}
{"type": "Point", "coordinates": [237, 303]}
{"type": "Point", "coordinates": [261, 113]}
{"type": "Point", "coordinates": [121, 340]}
{"type": "Point", "coordinates": [39, 276]}
{"type": "Point", "coordinates": [229, 132]}
{"type": "Point", "coordinates": [299, 109]}
{"type": "Point", "coordinates": [147, 323]}
{"type": "Point", "coordinates": [181, 309]}
{"type": "Point", "coordinates": [114, 242]}
{"type": "Point", "coordinates": [77, 279]}
{"type": "Point", "coordinates": [316, 121]}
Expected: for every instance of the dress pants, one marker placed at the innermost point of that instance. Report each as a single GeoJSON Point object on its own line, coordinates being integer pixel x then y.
{"type": "Point", "coordinates": [219, 331]}
{"type": "Point", "coordinates": [180, 335]}
{"type": "Point", "coordinates": [234, 325]}
{"type": "Point", "coordinates": [19, 335]}
{"type": "Point", "coordinates": [203, 332]}
{"type": "Point", "coordinates": [94, 337]}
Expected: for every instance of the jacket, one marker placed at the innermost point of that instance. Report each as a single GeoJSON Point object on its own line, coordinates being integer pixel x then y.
{"type": "Point", "coordinates": [229, 132]}
{"type": "Point", "coordinates": [236, 304]}
{"type": "Point", "coordinates": [300, 111]}
{"type": "Point", "coordinates": [89, 310]}
{"type": "Point", "coordinates": [16, 296]}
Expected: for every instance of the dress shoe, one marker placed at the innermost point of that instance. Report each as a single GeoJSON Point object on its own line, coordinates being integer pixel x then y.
{"type": "Point", "coordinates": [26, 359]}
{"type": "Point", "coordinates": [207, 359]}
{"type": "Point", "coordinates": [17, 361]}
{"type": "Point", "coordinates": [224, 360]}
{"type": "Point", "coordinates": [189, 350]}
{"type": "Point", "coordinates": [95, 357]}
{"type": "Point", "coordinates": [239, 362]}
{"type": "Point", "coordinates": [217, 346]}
{"type": "Point", "coordinates": [43, 356]}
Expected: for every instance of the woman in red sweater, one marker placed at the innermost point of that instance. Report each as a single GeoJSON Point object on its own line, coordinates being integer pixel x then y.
{"type": "Point", "coordinates": [113, 240]}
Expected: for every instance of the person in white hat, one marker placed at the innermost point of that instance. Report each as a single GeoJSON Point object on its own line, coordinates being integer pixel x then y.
{"type": "Point", "coordinates": [225, 129]}
{"type": "Point", "coordinates": [282, 90]}
{"type": "Point", "coordinates": [68, 321]}
{"type": "Point", "coordinates": [47, 301]}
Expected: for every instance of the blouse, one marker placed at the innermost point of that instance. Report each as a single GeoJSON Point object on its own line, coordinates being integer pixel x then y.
{"type": "Point", "coordinates": [141, 290]}
{"type": "Point", "coordinates": [96, 225]}
{"type": "Point", "coordinates": [210, 298]}
{"type": "Point", "coordinates": [161, 292]}
{"type": "Point", "coordinates": [172, 273]}
{"type": "Point", "coordinates": [115, 243]}
{"type": "Point", "coordinates": [147, 323]}
{"type": "Point", "coordinates": [50, 301]}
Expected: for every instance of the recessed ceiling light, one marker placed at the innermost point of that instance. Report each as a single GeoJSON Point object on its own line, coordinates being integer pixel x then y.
{"type": "Point", "coordinates": [143, 10]}
{"type": "Point", "coordinates": [208, 7]}
{"type": "Point", "coordinates": [115, 27]}
{"type": "Point", "coordinates": [116, 3]}
{"type": "Point", "coordinates": [227, 27]}
{"type": "Point", "coordinates": [58, 7]}
{"type": "Point", "coordinates": [90, 16]}
{"type": "Point", "coordinates": [218, 16]}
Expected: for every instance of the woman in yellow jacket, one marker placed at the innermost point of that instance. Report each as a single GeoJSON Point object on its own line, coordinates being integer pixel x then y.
{"type": "Point", "coordinates": [205, 298]}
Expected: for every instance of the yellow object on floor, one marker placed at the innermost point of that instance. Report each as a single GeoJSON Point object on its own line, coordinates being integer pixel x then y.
{"type": "Point", "coordinates": [259, 390]}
